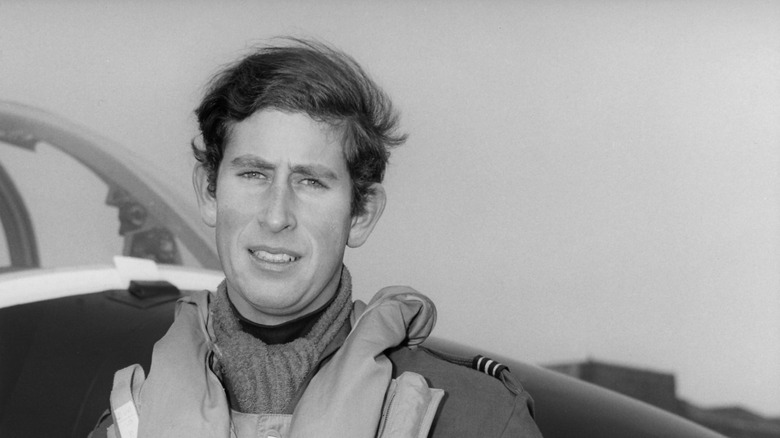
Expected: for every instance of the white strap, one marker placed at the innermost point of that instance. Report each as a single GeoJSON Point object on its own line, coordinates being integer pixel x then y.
{"type": "Point", "coordinates": [410, 407]}
{"type": "Point", "coordinates": [124, 396]}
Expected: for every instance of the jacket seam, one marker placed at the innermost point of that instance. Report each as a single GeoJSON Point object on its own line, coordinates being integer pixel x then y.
{"type": "Point", "coordinates": [511, 415]}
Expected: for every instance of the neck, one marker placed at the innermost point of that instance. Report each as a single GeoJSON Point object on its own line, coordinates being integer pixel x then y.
{"type": "Point", "coordinates": [284, 332]}
{"type": "Point", "coordinates": [268, 315]}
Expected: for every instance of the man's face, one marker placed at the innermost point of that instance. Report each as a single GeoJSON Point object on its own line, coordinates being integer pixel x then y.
{"type": "Point", "coordinates": [282, 215]}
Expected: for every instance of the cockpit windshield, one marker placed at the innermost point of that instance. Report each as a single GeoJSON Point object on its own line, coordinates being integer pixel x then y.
{"type": "Point", "coordinates": [60, 211]}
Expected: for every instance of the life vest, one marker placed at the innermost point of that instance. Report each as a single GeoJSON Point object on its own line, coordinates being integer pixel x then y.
{"type": "Point", "coordinates": [352, 394]}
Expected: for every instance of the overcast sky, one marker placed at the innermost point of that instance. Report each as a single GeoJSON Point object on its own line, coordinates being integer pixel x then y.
{"type": "Point", "coordinates": [583, 179]}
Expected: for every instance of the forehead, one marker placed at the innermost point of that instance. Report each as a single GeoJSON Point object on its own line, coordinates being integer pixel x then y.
{"type": "Point", "coordinates": [287, 136]}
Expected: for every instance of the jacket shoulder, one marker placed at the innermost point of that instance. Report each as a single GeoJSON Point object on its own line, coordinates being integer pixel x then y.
{"type": "Point", "coordinates": [477, 401]}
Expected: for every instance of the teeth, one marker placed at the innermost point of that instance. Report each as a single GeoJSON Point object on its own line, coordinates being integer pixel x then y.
{"type": "Point", "coordinates": [273, 258]}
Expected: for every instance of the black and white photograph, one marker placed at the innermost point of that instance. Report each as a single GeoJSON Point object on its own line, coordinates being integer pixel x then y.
{"type": "Point", "coordinates": [390, 219]}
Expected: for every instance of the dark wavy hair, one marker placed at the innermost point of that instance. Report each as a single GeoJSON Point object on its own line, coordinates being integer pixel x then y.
{"type": "Point", "coordinates": [306, 77]}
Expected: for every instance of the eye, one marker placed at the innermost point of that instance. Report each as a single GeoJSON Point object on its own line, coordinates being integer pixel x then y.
{"type": "Point", "coordinates": [313, 182]}
{"type": "Point", "coordinates": [252, 174]}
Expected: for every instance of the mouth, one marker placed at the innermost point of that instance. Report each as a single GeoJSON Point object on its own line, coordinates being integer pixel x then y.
{"type": "Point", "coordinates": [274, 257]}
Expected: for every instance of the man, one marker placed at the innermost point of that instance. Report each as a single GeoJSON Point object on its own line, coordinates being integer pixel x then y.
{"type": "Point", "coordinates": [295, 140]}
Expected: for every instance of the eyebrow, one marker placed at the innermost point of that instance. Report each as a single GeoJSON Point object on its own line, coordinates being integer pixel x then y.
{"type": "Point", "coordinates": [251, 161]}
{"type": "Point", "coordinates": [313, 170]}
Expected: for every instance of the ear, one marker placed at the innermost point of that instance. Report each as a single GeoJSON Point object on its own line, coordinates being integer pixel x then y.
{"type": "Point", "coordinates": [207, 203]}
{"type": "Point", "coordinates": [363, 224]}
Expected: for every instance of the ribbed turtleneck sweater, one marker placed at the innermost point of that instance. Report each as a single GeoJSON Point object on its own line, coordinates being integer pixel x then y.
{"type": "Point", "coordinates": [263, 366]}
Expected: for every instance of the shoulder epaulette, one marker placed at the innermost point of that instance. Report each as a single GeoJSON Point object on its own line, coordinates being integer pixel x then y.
{"type": "Point", "coordinates": [482, 364]}
{"type": "Point", "coordinates": [488, 366]}
{"type": "Point", "coordinates": [497, 370]}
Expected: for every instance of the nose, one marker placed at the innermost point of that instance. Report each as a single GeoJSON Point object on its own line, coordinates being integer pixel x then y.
{"type": "Point", "coordinates": [279, 212]}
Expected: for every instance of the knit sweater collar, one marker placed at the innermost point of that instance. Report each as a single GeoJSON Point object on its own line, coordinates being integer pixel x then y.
{"type": "Point", "coordinates": [285, 332]}
{"type": "Point", "coordinates": [261, 377]}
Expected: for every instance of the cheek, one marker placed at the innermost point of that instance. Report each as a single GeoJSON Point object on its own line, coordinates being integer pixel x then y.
{"type": "Point", "coordinates": [232, 218]}
{"type": "Point", "coordinates": [335, 231]}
